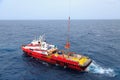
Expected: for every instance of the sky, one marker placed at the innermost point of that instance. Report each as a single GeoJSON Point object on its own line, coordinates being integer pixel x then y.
{"type": "Point", "coordinates": [59, 9]}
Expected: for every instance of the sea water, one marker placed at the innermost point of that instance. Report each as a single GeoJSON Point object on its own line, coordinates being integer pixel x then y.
{"type": "Point", "coordinates": [98, 39]}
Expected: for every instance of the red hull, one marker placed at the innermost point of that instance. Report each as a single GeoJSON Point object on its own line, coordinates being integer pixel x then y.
{"type": "Point", "coordinates": [55, 60]}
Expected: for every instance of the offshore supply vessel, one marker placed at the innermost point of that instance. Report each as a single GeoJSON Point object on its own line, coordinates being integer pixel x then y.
{"type": "Point", "coordinates": [49, 53]}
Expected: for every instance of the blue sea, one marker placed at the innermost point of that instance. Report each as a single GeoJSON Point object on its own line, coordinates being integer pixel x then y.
{"type": "Point", "coordinates": [98, 39]}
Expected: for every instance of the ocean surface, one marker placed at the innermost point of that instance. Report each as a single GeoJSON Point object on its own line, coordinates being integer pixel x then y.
{"type": "Point", "coordinates": [98, 39]}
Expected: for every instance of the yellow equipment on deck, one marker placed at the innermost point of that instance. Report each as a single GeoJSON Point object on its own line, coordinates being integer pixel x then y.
{"type": "Point", "coordinates": [81, 61]}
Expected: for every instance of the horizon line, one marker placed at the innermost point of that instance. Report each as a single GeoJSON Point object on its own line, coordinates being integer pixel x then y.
{"type": "Point", "coordinates": [54, 19]}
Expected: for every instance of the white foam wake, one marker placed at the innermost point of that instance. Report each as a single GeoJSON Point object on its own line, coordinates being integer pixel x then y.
{"type": "Point", "coordinates": [95, 68]}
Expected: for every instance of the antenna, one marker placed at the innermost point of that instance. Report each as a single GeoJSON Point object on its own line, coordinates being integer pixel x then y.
{"type": "Point", "coordinates": [69, 7]}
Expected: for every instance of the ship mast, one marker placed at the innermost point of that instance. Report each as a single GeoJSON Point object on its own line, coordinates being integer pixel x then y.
{"type": "Point", "coordinates": [67, 46]}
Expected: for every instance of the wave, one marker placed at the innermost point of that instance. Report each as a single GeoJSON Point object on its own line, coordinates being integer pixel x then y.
{"type": "Point", "coordinates": [45, 63]}
{"type": "Point", "coordinates": [8, 50]}
{"type": "Point", "coordinates": [95, 68]}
